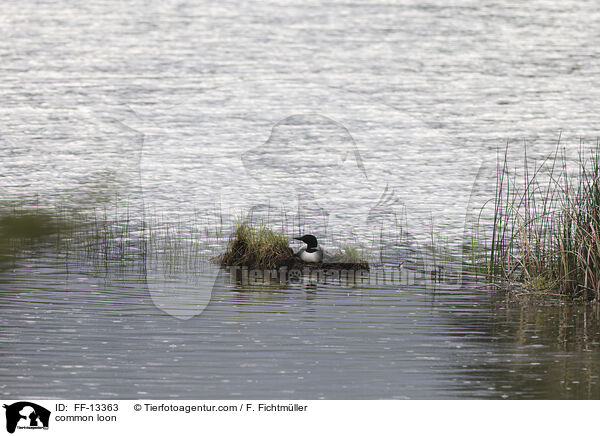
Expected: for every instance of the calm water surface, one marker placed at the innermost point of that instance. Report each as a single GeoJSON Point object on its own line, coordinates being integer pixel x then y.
{"type": "Point", "coordinates": [185, 108]}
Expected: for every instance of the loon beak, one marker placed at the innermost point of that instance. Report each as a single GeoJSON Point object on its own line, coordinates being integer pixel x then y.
{"type": "Point", "coordinates": [298, 239]}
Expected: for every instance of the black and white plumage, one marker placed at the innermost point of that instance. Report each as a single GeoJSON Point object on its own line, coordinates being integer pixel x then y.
{"type": "Point", "coordinates": [312, 252]}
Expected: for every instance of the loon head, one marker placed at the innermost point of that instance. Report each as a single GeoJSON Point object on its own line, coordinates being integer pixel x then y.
{"type": "Point", "coordinates": [309, 240]}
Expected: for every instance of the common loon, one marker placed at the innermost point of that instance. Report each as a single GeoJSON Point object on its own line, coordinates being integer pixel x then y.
{"type": "Point", "coordinates": [313, 252]}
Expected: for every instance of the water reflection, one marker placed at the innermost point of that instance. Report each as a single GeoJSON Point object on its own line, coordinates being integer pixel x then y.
{"type": "Point", "coordinates": [543, 351]}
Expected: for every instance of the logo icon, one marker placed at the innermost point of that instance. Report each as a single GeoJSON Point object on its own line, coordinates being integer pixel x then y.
{"type": "Point", "coordinates": [26, 415]}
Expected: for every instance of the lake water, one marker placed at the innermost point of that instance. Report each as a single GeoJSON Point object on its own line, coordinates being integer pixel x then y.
{"type": "Point", "coordinates": [338, 119]}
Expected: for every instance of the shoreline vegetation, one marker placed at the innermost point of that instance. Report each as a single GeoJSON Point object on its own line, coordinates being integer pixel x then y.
{"type": "Point", "coordinates": [540, 238]}
{"type": "Point", "coordinates": [546, 228]}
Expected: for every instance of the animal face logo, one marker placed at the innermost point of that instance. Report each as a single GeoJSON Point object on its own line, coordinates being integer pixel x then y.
{"type": "Point", "coordinates": [24, 414]}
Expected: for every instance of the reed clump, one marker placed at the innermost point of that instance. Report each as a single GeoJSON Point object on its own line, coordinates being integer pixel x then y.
{"type": "Point", "coordinates": [546, 230]}
{"type": "Point", "coordinates": [257, 246]}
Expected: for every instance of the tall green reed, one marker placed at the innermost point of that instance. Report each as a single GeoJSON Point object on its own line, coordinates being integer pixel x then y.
{"type": "Point", "coordinates": [546, 226]}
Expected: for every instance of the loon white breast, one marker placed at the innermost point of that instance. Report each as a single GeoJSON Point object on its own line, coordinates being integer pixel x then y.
{"type": "Point", "coordinates": [312, 252]}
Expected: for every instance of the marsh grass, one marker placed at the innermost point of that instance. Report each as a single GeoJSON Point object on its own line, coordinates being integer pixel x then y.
{"type": "Point", "coordinates": [176, 246]}
{"type": "Point", "coordinates": [108, 239]}
{"type": "Point", "coordinates": [353, 254]}
{"type": "Point", "coordinates": [347, 256]}
{"type": "Point", "coordinates": [546, 228]}
{"type": "Point", "coordinates": [95, 238]}
{"type": "Point", "coordinates": [257, 246]}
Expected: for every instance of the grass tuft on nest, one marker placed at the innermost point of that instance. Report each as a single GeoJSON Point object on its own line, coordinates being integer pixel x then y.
{"type": "Point", "coordinates": [351, 256]}
{"type": "Point", "coordinates": [257, 246]}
